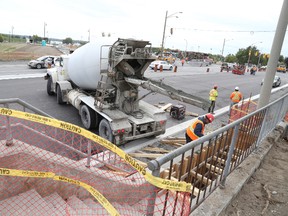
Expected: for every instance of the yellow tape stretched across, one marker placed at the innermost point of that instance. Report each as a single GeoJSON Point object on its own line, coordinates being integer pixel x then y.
{"type": "Point", "coordinates": [36, 174]}
{"type": "Point", "coordinates": [159, 182]}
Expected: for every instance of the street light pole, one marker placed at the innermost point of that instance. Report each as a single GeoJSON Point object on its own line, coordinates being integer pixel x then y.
{"type": "Point", "coordinates": [164, 30]}
{"type": "Point", "coordinates": [279, 36]}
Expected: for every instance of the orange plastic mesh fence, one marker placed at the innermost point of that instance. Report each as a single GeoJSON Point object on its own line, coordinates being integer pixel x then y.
{"type": "Point", "coordinates": [242, 109]}
{"type": "Point", "coordinates": [62, 181]}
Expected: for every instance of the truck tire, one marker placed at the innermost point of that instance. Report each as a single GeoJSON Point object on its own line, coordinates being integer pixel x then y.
{"type": "Point", "coordinates": [105, 130]}
{"type": "Point", "coordinates": [88, 117]}
{"type": "Point", "coordinates": [49, 86]}
{"type": "Point", "coordinates": [59, 95]}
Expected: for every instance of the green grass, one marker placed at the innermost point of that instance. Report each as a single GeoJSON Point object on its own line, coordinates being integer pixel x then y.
{"type": "Point", "coordinates": [10, 47]}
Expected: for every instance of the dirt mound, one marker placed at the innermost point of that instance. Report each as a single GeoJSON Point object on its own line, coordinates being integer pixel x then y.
{"type": "Point", "coordinates": [266, 193]}
{"type": "Point", "coordinates": [13, 52]}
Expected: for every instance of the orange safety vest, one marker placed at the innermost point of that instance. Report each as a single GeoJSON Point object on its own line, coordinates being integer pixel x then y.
{"type": "Point", "coordinates": [236, 96]}
{"type": "Point", "coordinates": [190, 129]}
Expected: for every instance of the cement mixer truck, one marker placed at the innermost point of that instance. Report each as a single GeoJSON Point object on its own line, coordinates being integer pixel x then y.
{"type": "Point", "coordinates": [101, 80]}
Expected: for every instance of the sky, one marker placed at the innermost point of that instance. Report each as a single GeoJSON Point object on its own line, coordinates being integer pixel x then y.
{"type": "Point", "coordinates": [201, 26]}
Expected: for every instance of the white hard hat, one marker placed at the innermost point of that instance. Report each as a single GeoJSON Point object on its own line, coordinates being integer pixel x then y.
{"type": "Point", "coordinates": [236, 88]}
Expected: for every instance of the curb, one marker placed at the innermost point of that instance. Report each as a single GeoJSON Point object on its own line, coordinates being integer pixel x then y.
{"type": "Point", "coordinates": [219, 200]}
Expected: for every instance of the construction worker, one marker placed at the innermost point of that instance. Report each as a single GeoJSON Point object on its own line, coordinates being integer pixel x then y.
{"type": "Point", "coordinates": [196, 129]}
{"type": "Point", "coordinates": [212, 97]}
{"type": "Point", "coordinates": [235, 97]}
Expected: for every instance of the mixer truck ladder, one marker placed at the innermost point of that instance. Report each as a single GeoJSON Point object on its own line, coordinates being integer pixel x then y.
{"type": "Point", "coordinates": [101, 91]}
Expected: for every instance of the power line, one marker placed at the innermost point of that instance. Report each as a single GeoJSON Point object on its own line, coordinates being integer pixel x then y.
{"type": "Point", "coordinates": [218, 30]}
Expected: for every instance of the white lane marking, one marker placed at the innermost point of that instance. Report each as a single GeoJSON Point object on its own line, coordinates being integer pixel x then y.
{"type": "Point", "coordinates": [21, 76]}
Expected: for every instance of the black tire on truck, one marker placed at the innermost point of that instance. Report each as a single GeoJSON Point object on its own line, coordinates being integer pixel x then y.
{"type": "Point", "coordinates": [59, 95]}
{"type": "Point", "coordinates": [49, 86]}
{"type": "Point", "coordinates": [105, 130]}
{"type": "Point", "coordinates": [88, 117]}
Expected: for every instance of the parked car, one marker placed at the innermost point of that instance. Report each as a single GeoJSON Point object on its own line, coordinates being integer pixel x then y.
{"type": "Point", "coordinates": [43, 62]}
{"type": "Point", "coordinates": [165, 65]}
{"type": "Point", "coordinates": [276, 81]}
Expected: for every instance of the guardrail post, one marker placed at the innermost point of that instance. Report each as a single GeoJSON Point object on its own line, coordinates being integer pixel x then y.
{"type": "Point", "coordinates": [9, 137]}
{"type": "Point", "coordinates": [262, 129]}
{"type": "Point", "coordinates": [153, 194]}
{"type": "Point", "coordinates": [88, 154]}
{"type": "Point", "coordinates": [230, 153]}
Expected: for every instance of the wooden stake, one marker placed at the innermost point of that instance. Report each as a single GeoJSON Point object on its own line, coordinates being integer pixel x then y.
{"type": "Point", "coordinates": [145, 155]}
{"type": "Point", "coordinates": [155, 149]}
{"type": "Point", "coordinates": [199, 177]}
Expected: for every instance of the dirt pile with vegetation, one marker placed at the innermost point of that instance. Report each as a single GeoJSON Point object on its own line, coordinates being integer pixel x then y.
{"type": "Point", "coordinates": [23, 51]}
{"type": "Point", "coordinates": [266, 193]}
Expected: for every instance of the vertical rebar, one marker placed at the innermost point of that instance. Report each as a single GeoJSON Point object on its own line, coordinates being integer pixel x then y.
{"type": "Point", "coordinates": [9, 137]}
{"type": "Point", "coordinates": [88, 154]}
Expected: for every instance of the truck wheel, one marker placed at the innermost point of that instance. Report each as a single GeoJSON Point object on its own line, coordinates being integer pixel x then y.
{"type": "Point", "coordinates": [88, 117]}
{"type": "Point", "coordinates": [59, 95]}
{"type": "Point", "coordinates": [49, 86]}
{"type": "Point", "coordinates": [38, 66]}
{"type": "Point", "coordinates": [105, 130]}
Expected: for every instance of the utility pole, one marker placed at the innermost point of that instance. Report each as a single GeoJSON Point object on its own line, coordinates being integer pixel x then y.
{"type": "Point", "coordinates": [163, 37]}
{"type": "Point", "coordinates": [45, 24]}
{"type": "Point", "coordinates": [265, 92]}
{"type": "Point", "coordinates": [12, 33]}
{"type": "Point", "coordinates": [223, 46]}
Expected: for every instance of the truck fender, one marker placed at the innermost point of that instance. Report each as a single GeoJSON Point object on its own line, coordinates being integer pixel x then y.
{"type": "Point", "coordinates": [51, 77]}
{"type": "Point", "coordinates": [65, 87]}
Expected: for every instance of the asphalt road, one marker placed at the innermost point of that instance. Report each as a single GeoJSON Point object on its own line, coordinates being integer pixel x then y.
{"type": "Point", "coordinates": [19, 81]}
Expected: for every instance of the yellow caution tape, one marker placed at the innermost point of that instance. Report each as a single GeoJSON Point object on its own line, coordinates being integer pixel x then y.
{"type": "Point", "coordinates": [25, 173]}
{"type": "Point", "coordinates": [159, 182]}
{"type": "Point", "coordinates": [95, 193]}
{"type": "Point", "coordinates": [36, 174]}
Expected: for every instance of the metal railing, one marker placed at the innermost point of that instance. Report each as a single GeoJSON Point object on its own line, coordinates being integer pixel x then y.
{"type": "Point", "coordinates": [16, 102]}
{"type": "Point", "coordinates": [207, 161]}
